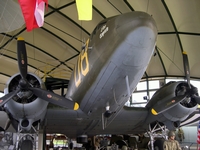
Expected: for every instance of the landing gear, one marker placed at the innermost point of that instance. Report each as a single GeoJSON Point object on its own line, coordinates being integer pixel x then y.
{"type": "Point", "coordinates": [71, 145]}
{"type": "Point", "coordinates": [27, 141]}
{"type": "Point", "coordinates": [82, 139]}
{"type": "Point", "coordinates": [157, 134]}
{"type": "Point", "coordinates": [26, 145]}
{"type": "Point", "coordinates": [158, 144]}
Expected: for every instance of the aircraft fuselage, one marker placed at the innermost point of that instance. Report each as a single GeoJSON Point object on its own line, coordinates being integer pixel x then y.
{"type": "Point", "coordinates": [118, 48]}
{"type": "Point", "coordinates": [116, 55]}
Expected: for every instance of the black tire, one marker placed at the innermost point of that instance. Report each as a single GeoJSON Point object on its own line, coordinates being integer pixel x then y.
{"type": "Point", "coordinates": [82, 140]}
{"type": "Point", "coordinates": [158, 144]}
{"type": "Point", "coordinates": [27, 145]}
{"type": "Point", "coordinates": [121, 143]}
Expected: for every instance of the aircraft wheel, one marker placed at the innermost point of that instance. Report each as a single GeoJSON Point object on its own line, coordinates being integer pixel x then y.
{"type": "Point", "coordinates": [158, 144]}
{"type": "Point", "coordinates": [82, 139]}
{"type": "Point", "coordinates": [27, 145]}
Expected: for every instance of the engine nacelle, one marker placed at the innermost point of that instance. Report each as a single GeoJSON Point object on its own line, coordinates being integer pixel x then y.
{"type": "Point", "coordinates": [173, 117]}
{"type": "Point", "coordinates": [178, 111]}
{"type": "Point", "coordinates": [25, 107]}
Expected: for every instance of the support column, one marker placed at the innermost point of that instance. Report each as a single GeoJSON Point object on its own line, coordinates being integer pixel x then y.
{"type": "Point", "coordinates": [39, 141]}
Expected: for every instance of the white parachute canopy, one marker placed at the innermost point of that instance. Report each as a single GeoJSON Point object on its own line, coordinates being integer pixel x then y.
{"type": "Point", "coordinates": [11, 17]}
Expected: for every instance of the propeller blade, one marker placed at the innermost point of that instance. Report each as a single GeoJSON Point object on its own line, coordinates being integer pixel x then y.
{"type": "Point", "coordinates": [7, 97]}
{"type": "Point", "coordinates": [8, 123]}
{"type": "Point", "coordinates": [197, 99]}
{"type": "Point", "coordinates": [1, 129]}
{"type": "Point", "coordinates": [54, 98]}
{"type": "Point", "coordinates": [165, 105]}
{"type": "Point", "coordinates": [22, 57]}
{"type": "Point", "coordinates": [186, 67]}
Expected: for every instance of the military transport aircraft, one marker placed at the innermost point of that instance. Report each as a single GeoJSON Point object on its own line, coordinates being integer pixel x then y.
{"type": "Point", "coordinates": [109, 67]}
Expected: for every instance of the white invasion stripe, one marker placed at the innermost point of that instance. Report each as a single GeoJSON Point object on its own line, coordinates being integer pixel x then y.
{"type": "Point", "coordinates": [190, 120]}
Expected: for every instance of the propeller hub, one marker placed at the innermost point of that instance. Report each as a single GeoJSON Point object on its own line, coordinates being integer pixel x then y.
{"type": "Point", "coordinates": [23, 84]}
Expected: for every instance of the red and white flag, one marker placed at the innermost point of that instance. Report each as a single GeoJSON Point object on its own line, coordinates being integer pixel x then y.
{"type": "Point", "coordinates": [198, 134]}
{"type": "Point", "coordinates": [33, 12]}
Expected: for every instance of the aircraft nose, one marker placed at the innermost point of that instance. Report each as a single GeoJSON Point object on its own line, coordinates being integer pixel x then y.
{"type": "Point", "coordinates": [136, 26]}
{"type": "Point", "coordinates": [138, 32]}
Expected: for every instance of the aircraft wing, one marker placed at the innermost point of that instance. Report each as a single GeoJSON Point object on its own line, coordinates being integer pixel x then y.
{"type": "Point", "coordinates": [73, 123]}
{"type": "Point", "coordinates": [129, 120]}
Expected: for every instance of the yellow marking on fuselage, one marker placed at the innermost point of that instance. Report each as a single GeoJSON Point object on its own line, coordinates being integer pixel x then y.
{"type": "Point", "coordinates": [77, 82]}
{"type": "Point", "coordinates": [85, 56]}
{"type": "Point", "coordinates": [79, 70]}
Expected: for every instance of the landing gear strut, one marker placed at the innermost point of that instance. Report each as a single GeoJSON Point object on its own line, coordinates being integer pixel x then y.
{"type": "Point", "coordinates": [27, 141]}
{"type": "Point", "coordinates": [157, 135]}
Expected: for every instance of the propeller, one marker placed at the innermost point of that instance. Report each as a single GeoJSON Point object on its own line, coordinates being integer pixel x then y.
{"type": "Point", "coordinates": [186, 68]}
{"type": "Point", "coordinates": [24, 85]}
{"type": "Point", "coordinates": [7, 97]}
{"type": "Point", "coordinates": [54, 98]}
{"type": "Point", "coordinates": [192, 91]}
{"type": "Point", "coordinates": [187, 92]}
{"type": "Point", "coordinates": [22, 57]}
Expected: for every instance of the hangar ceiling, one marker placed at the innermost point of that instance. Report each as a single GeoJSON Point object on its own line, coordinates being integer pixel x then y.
{"type": "Point", "coordinates": [53, 49]}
